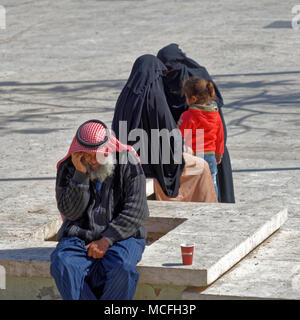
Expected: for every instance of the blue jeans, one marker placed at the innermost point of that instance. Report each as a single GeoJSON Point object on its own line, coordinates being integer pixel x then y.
{"type": "Point", "coordinates": [211, 160]}
{"type": "Point", "coordinates": [79, 277]}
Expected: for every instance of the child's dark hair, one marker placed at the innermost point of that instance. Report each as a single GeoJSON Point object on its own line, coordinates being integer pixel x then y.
{"type": "Point", "coordinates": [202, 89]}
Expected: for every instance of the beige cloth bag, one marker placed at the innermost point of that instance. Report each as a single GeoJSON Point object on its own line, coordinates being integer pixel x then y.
{"type": "Point", "coordinates": [196, 183]}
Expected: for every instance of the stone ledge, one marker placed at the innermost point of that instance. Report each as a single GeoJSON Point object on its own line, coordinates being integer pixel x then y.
{"type": "Point", "coordinates": [239, 228]}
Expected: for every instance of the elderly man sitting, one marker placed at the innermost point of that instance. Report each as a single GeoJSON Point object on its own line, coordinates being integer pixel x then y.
{"type": "Point", "coordinates": [101, 194]}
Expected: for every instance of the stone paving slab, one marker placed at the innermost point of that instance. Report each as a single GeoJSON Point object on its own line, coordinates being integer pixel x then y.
{"type": "Point", "coordinates": [39, 222]}
{"type": "Point", "coordinates": [269, 272]}
{"type": "Point", "coordinates": [239, 228]}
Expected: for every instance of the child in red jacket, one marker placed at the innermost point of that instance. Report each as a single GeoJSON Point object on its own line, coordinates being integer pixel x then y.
{"type": "Point", "coordinates": [201, 125]}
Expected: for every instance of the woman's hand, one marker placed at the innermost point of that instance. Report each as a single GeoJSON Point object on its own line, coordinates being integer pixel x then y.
{"type": "Point", "coordinates": [188, 150]}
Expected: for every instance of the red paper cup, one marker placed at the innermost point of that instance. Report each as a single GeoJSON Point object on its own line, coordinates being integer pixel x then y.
{"type": "Point", "coordinates": [187, 252]}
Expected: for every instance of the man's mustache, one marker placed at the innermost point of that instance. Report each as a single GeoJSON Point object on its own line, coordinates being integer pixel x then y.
{"type": "Point", "coordinates": [105, 170]}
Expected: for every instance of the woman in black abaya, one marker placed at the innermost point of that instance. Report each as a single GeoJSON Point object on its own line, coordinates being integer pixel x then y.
{"type": "Point", "coordinates": [142, 104]}
{"type": "Point", "coordinates": [180, 67]}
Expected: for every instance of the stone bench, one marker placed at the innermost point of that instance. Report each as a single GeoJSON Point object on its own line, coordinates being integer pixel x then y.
{"type": "Point", "coordinates": [223, 235]}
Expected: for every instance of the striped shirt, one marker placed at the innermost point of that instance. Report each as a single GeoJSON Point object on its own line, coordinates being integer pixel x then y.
{"type": "Point", "coordinates": [120, 211]}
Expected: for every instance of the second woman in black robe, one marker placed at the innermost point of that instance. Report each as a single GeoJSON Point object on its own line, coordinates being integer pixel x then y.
{"type": "Point", "coordinates": [180, 67]}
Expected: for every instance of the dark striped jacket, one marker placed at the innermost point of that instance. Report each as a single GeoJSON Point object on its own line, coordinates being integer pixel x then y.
{"type": "Point", "coordinates": [118, 214]}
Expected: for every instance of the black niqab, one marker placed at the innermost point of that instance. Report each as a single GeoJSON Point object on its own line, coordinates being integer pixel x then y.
{"type": "Point", "coordinates": [180, 68]}
{"type": "Point", "coordinates": [142, 103]}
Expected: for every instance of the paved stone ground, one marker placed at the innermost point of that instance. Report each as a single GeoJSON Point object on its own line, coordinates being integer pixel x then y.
{"type": "Point", "coordinates": [64, 62]}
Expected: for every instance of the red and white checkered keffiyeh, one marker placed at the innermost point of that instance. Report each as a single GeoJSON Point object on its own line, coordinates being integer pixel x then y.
{"type": "Point", "coordinates": [94, 132]}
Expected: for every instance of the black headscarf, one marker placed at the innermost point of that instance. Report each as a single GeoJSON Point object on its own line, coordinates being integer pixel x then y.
{"type": "Point", "coordinates": [181, 67]}
{"type": "Point", "coordinates": [142, 103]}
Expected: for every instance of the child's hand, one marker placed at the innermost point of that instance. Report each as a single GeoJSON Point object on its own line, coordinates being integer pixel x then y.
{"type": "Point", "coordinates": [219, 159]}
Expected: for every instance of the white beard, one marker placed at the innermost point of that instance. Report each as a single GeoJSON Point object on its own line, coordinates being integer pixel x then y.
{"type": "Point", "coordinates": [106, 170]}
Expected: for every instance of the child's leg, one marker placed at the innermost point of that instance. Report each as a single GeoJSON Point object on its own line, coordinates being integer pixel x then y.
{"type": "Point", "coordinates": [211, 160]}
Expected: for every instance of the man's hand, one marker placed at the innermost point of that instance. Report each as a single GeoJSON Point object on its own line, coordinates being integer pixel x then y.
{"type": "Point", "coordinates": [98, 248]}
{"type": "Point", "coordinates": [78, 164]}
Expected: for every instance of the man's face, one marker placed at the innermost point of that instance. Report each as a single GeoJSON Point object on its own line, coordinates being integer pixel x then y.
{"type": "Point", "coordinates": [91, 160]}
{"type": "Point", "coordinates": [99, 166]}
